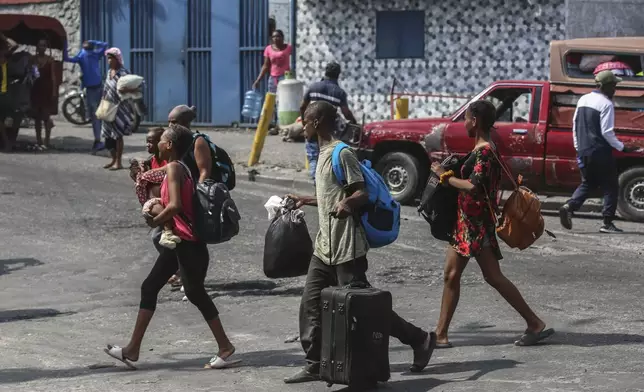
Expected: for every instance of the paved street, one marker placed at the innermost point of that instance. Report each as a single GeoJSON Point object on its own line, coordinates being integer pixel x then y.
{"type": "Point", "coordinates": [75, 252]}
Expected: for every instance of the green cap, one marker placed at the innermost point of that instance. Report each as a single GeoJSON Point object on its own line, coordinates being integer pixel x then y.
{"type": "Point", "coordinates": [607, 77]}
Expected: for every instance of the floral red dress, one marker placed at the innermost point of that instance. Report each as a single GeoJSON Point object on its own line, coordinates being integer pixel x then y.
{"type": "Point", "coordinates": [475, 227]}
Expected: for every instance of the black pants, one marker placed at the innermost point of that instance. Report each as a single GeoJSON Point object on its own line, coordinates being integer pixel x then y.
{"type": "Point", "coordinates": [597, 170]}
{"type": "Point", "coordinates": [321, 276]}
{"type": "Point", "coordinates": [191, 258]}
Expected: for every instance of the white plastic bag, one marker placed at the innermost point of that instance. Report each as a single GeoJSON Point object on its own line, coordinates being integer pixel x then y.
{"type": "Point", "coordinates": [130, 82]}
{"type": "Point", "coordinates": [272, 206]}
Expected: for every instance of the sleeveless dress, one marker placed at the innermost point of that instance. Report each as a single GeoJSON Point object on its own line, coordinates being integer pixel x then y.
{"type": "Point", "coordinates": [182, 228]}
{"type": "Point", "coordinates": [43, 101]}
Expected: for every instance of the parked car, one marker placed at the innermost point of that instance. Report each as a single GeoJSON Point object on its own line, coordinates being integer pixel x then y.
{"type": "Point", "coordinates": [534, 129]}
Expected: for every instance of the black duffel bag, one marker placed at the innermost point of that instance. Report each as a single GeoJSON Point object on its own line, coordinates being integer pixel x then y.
{"type": "Point", "coordinates": [287, 247]}
{"type": "Point", "coordinates": [438, 203]}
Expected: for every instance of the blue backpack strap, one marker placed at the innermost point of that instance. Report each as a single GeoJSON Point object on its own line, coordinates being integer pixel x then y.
{"type": "Point", "coordinates": [336, 164]}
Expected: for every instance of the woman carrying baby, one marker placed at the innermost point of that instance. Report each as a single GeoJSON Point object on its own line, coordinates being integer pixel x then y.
{"type": "Point", "coordinates": [190, 255]}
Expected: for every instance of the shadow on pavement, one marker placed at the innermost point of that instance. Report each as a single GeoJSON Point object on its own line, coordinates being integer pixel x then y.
{"type": "Point", "coordinates": [480, 367]}
{"type": "Point", "coordinates": [8, 266]}
{"type": "Point", "coordinates": [251, 288]}
{"type": "Point", "coordinates": [560, 338]}
{"type": "Point", "coordinates": [292, 357]}
{"type": "Point", "coordinates": [257, 359]}
{"type": "Point", "coordinates": [7, 316]}
{"type": "Point", "coordinates": [427, 384]}
{"type": "Point", "coordinates": [71, 144]}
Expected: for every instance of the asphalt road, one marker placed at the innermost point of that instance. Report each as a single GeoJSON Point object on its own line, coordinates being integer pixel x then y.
{"type": "Point", "coordinates": [75, 250]}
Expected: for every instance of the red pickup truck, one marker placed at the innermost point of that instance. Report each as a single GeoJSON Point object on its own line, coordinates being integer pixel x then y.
{"type": "Point", "coordinates": [534, 130]}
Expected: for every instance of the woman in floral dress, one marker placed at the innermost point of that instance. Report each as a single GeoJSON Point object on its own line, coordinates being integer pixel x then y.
{"type": "Point", "coordinates": [474, 233]}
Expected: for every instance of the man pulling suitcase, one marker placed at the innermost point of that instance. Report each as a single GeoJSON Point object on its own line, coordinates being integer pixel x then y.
{"type": "Point", "coordinates": [340, 250]}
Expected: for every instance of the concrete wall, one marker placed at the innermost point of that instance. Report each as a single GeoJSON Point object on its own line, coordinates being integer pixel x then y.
{"type": "Point", "coordinates": [281, 11]}
{"type": "Point", "coordinates": [68, 13]}
{"type": "Point", "coordinates": [604, 18]}
{"type": "Point", "coordinates": [467, 46]}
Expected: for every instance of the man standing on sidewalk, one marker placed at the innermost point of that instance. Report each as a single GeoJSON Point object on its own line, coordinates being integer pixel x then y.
{"type": "Point", "coordinates": [340, 254]}
{"type": "Point", "coordinates": [89, 59]}
{"type": "Point", "coordinates": [594, 139]}
{"type": "Point", "coordinates": [326, 90]}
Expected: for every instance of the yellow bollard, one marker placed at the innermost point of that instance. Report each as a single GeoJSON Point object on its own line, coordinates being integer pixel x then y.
{"type": "Point", "coordinates": [402, 108]}
{"type": "Point", "coordinates": [262, 129]}
{"type": "Point", "coordinates": [306, 163]}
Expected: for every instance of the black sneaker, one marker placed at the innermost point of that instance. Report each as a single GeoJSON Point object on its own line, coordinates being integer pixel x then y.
{"type": "Point", "coordinates": [565, 216]}
{"type": "Point", "coordinates": [610, 229]}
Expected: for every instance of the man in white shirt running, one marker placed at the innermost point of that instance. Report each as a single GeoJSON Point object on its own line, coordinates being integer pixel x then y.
{"type": "Point", "coordinates": [594, 139]}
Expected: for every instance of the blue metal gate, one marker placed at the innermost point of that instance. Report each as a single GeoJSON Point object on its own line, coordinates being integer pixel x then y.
{"type": "Point", "coordinates": [253, 29]}
{"type": "Point", "coordinates": [199, 58]}
{"type": "Point", "coordinates": [142, 48]}
{"type": "Point", "coordinates": [96, 23]}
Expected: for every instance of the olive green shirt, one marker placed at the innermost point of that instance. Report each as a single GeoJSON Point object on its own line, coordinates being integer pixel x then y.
{"type": "Point", "coordinates": [338, 240]}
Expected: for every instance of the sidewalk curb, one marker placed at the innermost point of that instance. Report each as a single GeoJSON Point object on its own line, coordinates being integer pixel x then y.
{"type": "Point", "coordinates": [280, 181]}
{"type": "Point", "coordinates": [546, 204]}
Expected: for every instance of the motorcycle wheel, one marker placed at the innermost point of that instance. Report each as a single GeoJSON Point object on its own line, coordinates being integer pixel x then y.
{"type": "Point", "coordinates": [74, 110]}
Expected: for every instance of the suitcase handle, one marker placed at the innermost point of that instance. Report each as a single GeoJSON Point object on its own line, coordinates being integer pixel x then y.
{"type": "Point", "coordinates": [358, 285]}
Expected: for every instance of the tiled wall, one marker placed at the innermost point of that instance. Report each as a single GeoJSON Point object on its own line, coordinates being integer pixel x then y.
{"type": "Point", "coordinates": [467, 46]}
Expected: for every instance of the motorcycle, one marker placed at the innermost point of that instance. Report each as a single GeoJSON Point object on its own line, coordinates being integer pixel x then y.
{"type": "Point", "coordinates": [75, 109]}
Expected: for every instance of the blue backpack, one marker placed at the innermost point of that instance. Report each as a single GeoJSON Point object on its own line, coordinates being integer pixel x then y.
{"type": "Point", "coordinates": [381, 216]}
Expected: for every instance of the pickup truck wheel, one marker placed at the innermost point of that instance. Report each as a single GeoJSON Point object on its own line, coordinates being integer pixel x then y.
{"type": "Point", "coordinates": [400, 172]}
{"type": "Point", "coordinates": [631, 194]}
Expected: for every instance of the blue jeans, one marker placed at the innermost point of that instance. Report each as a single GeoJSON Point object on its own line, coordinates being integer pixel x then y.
{"type": "Point", "coordinates": [93, 97]}
{"type": "Point", "coordinates": [272, 83]}
{"type": "Point", "coordinates": [598, 170]}
{"type": "Point", "coordinates": [312, 153]}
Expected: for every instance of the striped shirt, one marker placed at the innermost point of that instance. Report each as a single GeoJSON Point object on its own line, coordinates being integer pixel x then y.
{"type": "Point", "coordinates": [593, 125]}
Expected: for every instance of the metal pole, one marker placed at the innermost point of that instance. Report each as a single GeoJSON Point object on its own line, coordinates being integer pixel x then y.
{"type": "Point", "coordinates": [293, 34]}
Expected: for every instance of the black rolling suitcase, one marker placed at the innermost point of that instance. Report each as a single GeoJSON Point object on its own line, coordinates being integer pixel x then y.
{"type": "Point", "coordinates": [355, 336]}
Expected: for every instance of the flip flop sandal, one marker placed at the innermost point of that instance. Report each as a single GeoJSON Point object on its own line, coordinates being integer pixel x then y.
{"type": "Point", "coordinates": [531, 338]}
{"type": "Point", "coordinates": [116, 352]}
{"type": "Point", "coordinates": [175, 280]}
{"type": "Point", "coordinates": [218, 362]}
{"type": "Point", "coordinates": [444, 345]}
{"type": "Point", "coordinates": [421, 359]}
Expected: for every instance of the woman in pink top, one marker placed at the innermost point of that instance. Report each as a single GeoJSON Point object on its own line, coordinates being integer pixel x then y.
{"type": "Point", "coordinates": [277, 60]}
{"type": "Point", "coordinates": [190, 255]}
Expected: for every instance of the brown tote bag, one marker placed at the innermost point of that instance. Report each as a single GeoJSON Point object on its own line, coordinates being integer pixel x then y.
{"type": "Point", "coordinates": [521, 222]}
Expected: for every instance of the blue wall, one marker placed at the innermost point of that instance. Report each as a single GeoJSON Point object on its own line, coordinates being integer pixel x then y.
{"type": "Point", "coordinates": [169, 78]}
{"type": "Point", "coordinates": [226, 82]}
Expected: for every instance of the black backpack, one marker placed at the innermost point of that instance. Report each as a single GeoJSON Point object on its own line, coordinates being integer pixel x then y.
{"type": "Point", "coordinates": [438, 203]}
{"type": "Point", "coordinates": [216, 217]}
